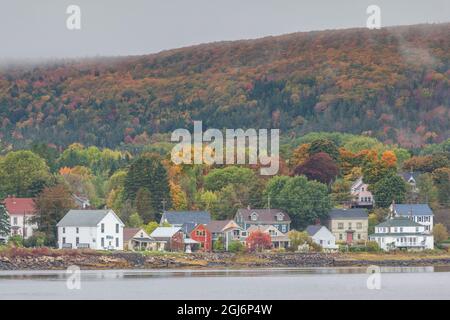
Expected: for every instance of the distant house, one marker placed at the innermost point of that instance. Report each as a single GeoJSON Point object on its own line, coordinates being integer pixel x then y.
{"type": "Point", "coordinates": [420, 213]}
{"type": "Point", "coordinates": [188, 219]}
{"type": "Point", "coordinates": [81, 202]}
{"type": "Point", "coordinates": [402, 233]}
{"type": "Point", "coordinates": [93, 229]}
{"type": "Point", "coordinates": [137, 239]}
{"type": "Point", "coordinates": [349, 225]}
{"type": "Point", "coordinates": [411, 179]}
{"type": "Point", "coordinates": [172, 236]}
{"type": "Point", "coordinates": [362, 197]}
{"type": "Point", "coordinates": [277, 218]}
{"type": "Point", "coordinates": [322, 236]}
{"type": "Point", "coordinates": [279, 239]}
{"type": "Point", "coordinates": [227, 231]}
{"type": "Point", "coordinates": [22, 213]}
{"type": "Point", "coordinates": [202, 235]}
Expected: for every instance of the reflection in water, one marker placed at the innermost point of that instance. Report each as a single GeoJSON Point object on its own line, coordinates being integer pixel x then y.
{"type": "Point", "coordinates": [101, 275]}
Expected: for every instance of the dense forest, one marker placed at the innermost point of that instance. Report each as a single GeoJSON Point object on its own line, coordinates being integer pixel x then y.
{"type": "Point", "coordinates": [391, 84]}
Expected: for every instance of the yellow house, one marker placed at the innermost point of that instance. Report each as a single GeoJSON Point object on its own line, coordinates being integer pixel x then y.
{"type": "Point", "coordinates": [349, 225]}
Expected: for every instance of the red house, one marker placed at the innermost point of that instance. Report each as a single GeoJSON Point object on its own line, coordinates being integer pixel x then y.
{"type": "Point", "coordinates": [202, 235]}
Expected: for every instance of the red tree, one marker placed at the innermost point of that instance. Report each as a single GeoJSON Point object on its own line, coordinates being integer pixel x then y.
{"type": "Point", "coordinates": [258, 240]}
{"type": "Point", "coordinates": [320, 167]}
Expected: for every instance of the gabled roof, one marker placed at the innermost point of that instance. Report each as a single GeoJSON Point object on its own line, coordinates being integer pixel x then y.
{"type": "Point", "coordinates": [164, 232]}
{"type": "Point", "coordinates": [85, 218]}
{"type": "Point", "coordinates": [130, 233]}
{"type": "Point", "coordinates": [217, 226]}
{"type": "Point", "coordinates": [399, 222]}
{"type": "Point", "coordinates": [356, 213]}
{"type": "Point", "coordinates": [408, 175]}
{"type": "Point", "coordinates": [312, 230]}
{"type": "Point", "coordinates": [264, 215]}
{"type": "Point", "coordinates": [19, 206]}
{"type": "Point", "coordinates": [182, 217]}
{"type": "Point", "coordinates": [412, 209]}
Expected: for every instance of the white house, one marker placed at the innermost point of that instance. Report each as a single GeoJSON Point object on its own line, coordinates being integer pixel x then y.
{"type": "Point", "coordinates": [22, 213]}
{"type": "Point", "coordinates": [323, 237]}
{"type": "Point", "coordinates": [402, 233]}
{"type": "Point", "coordinates": [279, 239]}
{"type": "Point", "coordinates": [362, 197]}
{"type": "Point", "coordinates": [420, 213]}
{"type": "Point", "coordinates": [94, 229]}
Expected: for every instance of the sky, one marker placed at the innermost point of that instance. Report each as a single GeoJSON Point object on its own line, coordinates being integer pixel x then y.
{"type": "Point", "coordinates": [37, 29]}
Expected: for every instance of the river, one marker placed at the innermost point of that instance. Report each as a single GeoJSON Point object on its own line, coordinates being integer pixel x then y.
{"type": "Point", "coordinates": [287, 283]}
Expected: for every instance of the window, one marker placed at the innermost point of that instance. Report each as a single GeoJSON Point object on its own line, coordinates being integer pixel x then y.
{"type": "Point", "coordinates": [64, 240]}
{"type": "Point", "coordinates": [349, 226]}
{"type": "Point", "coordinates": [77, 241]}
{"type": "Point", "coordinates": [340, 225]}
{"type": "Point", "coordinates": [117, 228]}
{"type": "Point", "coordinates": [103, 227]}
{"type": "Point", "coordinates": [359, 236]}
{"type": "Point", "coordinates": [78, 230]}
{"type": "Point", "coordinates": [280, 217]}
{"type": "Point", "coordinates": [15, 221]}
{"type": "Point", "coordinates": [254, 216]}
{"type": "Point", "coordinates": [340, 236]}
{"type": "Point", "coordinates": [117, 242]}
{"type": "Point", "coordinates": [64, 230]}
{"type": "Point", "coordinates": [103, 242]}
{"type": "Point", "coordinates": [283, 228]}
{"type": "Point", "coordinates": [359, 225]}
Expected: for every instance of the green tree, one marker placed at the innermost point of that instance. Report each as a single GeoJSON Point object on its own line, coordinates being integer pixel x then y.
{"type": "Point", "coordinates": [219, 245]}
{"type": "Point", "coordinates": [390, 188]}
{"type": "Point", "coordinates": [144, 205]}
{"type": "Point", "coordinates": [440, 233]}
{"type": "Point", "coordinates": [236, 246]}
{"type": "Point", "coordinates": [305, 201]}
{"type": "Point", "coordinates": [148, 172]}
{"type": "Point", "coordinates": [441, 179]}
{"type": "Point", "coordinates": [23, 173]}
{"type": "Point", "coordinates": [51, 205]}
{"type": "Point", "coordinates": [217, 179]}
{"type": "Point", "coordinates": [135, 221]}
{"type": "Point", "coordinates": [151, 226]}
{"type": "Point", "coordinates": [5, 226]}
{"type": "Point", "coordinates": [428, 193]}
{"type": "Point", "coordinates": [325, 146]}
{"type": "Point", "coordinates": [298, 238]}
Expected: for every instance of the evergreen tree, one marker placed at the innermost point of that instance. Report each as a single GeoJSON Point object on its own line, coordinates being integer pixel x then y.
{"type": "Point", "coordinates": [5, 226]}
{"type": "Point", "coordinates": [144, 205]}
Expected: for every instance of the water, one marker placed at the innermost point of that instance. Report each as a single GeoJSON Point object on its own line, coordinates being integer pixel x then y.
{"type": "Point", "coordinates": [292, 283]}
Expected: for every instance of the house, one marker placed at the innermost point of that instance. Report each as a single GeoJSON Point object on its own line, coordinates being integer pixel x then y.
{"type": "Point", "coordinates": [22, 213]}
{"type": "Point", "coordinates": [349, 225]}
{"type": "Point", "coordinates": [93, 229]}
{"type": "Point", "coordinates": [420, 213]}
{"type": "Point", "coordinates": [137, 239]}
{"type": "Point", "coordinates": [202, 235]}
{"type": "Point", "coordinates": [173, 236]}
{"type": "Point", "coordinates": [362, 197]}
{"type": "Point", "coordinates": [323, 237]}
{"type": "Point", "coordinates": [81, 202]}
{"type": "Point", "coordinates": [279, 239]}
{"type": "Point", "coordinates": [227, 231]}
{"type": "Point", "coordinates": [247, 218]}
{"type": "Point", "coordinates": [186, 219]}
{"type": "Point", "coordinates": [411, 179]}
{"type": "Point", "coordinates": [402, 233]}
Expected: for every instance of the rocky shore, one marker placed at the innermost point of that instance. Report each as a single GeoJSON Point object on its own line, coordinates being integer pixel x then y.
{"type": "Point", "coordinates": [59, 260]}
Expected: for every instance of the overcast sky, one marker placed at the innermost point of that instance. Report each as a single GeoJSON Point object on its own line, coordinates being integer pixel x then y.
{"type": "Point", "coordinates": [37, 29]}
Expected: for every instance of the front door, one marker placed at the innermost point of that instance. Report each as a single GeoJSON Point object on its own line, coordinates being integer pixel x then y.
{"type": "Point", "coordinates": [349, 237]}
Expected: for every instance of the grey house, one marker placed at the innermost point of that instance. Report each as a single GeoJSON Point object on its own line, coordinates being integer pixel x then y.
{"type": "Point", "coordinates": [247, 218]}
{"type": "Point", "coordinates": [187, 220]}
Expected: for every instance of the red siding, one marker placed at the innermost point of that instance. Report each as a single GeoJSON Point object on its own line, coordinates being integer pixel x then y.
{"type": "Point", "coordinates": [202, 235]}
{"type": "Point", "coordinates": [177, 242]}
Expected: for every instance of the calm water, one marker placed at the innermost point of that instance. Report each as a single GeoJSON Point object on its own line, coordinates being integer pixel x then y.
{"type": "Point", "coordinates": [316, 283]}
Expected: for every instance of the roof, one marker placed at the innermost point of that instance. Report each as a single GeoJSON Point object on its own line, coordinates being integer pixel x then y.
{"type": "Point", "coordinates": [188, 227]}
{"type": "Point", "coordinates": [408, 175]}
{"type": "Point", "coordinates": [164, 232]}
{"type": "Point", "coordinates": [84, 218]}
{"type": "Point", "coordinates": [265, 215]}
{"type": "Point", "coordinates": [312, 230]}
{"type": "Point", "coordinates": [129, 233]}
{"type": "Point", "coordinates": [399, 222]}
{"type": "Point", "coordinates": [413, 209]}
{"type": "Point", "coordinates": [217, 226]}
{"type": "Point", "coordinates": [19, 206]}
{"type": "Point", "coordinates": [357, 213]}
{"type": "Point", "coordinates": [400, 234]}
{"type": "Point", "coordinates": [182, 217]}
{"type": "Point", "coordinates": [190, 241]}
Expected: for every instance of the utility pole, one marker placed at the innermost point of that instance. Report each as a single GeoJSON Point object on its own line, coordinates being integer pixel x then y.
{"type": "Point", "coordinates": [164, 204]}
{"type": "Point", "coordinates": [268, 201]}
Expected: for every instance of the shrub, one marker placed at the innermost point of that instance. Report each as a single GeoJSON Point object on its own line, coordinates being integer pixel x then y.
{"type": "Point", "coordinates": [38, 239]}
{"type": "Point", "coordinates": [236, 246]}
{"type": "Point", "coordinates": [15, 241]}
{"type": "Point", "coordinates": [372, 246]}
{"type": "Point", "coordinates": [218, 245]}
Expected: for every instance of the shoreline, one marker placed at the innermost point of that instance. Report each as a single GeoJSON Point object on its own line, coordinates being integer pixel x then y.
{"type": "Point", "coordinates": [48, 259]}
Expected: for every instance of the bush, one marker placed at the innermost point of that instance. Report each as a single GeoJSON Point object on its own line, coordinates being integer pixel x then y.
{"type": "Point", "coordinates": [218, 245]}
{"type": "Point", "coordinates": [236, 246]}
{"type": "Point", "coordinates": [15, 241]}
{"type": "Point", "coordinates": [373, 246]}
{"type": "Point", "coordinates": [38, 239]}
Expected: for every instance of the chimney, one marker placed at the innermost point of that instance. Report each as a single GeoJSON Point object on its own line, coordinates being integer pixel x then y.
{"type": "Point", "coordinates": [248, 207]}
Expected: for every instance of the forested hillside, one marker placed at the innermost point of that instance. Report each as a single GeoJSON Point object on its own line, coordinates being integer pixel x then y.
{"type": "Point", "coordinates": [392, 84]}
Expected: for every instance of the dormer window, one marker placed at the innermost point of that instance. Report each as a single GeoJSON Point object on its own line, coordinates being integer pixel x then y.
{"type": "Point", "coordinates": [254, 216]}
{"type": "Point", "coordinates": [280, 216]}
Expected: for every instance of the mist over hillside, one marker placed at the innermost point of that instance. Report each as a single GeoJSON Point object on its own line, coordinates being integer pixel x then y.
{"type": "Point", "coordinates": [392, 84]}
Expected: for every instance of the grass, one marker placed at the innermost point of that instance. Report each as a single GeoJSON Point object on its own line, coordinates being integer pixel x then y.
{"type": "Point", "coordinates": [396, 255]}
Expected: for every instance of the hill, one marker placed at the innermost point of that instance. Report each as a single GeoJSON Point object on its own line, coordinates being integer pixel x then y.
{"type": "Point", "coordinates": [392, 84]}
